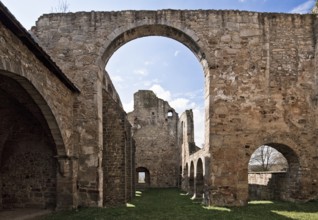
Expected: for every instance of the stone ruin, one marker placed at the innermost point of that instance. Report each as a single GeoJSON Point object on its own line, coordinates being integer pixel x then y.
{"type": "Point", "coordinates": [154, 124]}
{"type": "Point", "coordinates": [66, 141]}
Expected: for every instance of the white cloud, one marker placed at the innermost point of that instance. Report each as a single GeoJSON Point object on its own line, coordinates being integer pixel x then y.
{"type": "Point", "coordinates": [176, 53]}
{"type": "Point", "coordinates": [198, 115]}
{"type": "Point", "coordinates": [161, 92]}
{"type": "Point", "coordinates": [147, 83]}
{"type": "Point", "coordinates": [129, 107]}
{"type": "Point", "coordinates": [148, 62]}
{"type": "Point", "coordinates": [304, 7]}
{"type": "Point", "coordinates": [180, 104]}
{"type": "Point", "coordinates": [141, 72]}
{"type": "Point", "coordinates": [117, 78]}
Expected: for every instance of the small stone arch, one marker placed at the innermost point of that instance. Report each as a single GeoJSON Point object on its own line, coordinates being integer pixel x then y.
{"type": "Point", "coordinates": [278, 185]}
{"type": "Point", "coordinates": [199, 179]}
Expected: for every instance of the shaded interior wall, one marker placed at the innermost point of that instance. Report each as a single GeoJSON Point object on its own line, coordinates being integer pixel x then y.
{"type": "Point", "coordinates": [155, 132]}
{"type": "Point", "coordinates": [28, 168]}
{"type": "Point", "coordinates": [118, 153]}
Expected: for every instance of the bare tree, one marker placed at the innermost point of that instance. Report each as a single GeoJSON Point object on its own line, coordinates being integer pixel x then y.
{"type": "Point", "coordinates": [62, 7]}
{"type": "Point", "coordinates": [265, 158]}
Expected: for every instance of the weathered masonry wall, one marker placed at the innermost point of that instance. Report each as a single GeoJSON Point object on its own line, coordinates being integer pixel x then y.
{"type": "Point", "coordinates": [155, 133]}
{"type": "Point", "coordinates": [118, 153]}
{"type": "Point", "coordinates": [260, 85]}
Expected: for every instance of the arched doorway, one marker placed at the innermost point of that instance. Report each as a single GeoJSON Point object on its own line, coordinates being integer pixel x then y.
{"type": "Point", "coordinates": [199, 179]}
{"type": "Point", "coordinates": [273, 173]}
{"type": "Point", "coordinates": [27, 151]}
{"type": "Point", "coordinates": [142, 178]}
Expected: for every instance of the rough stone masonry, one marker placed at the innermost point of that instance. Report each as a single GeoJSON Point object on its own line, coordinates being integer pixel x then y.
{"type": "Point", "coordinates": [260, 88]}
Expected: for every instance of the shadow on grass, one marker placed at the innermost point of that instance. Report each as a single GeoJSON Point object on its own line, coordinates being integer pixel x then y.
{"type": "Point", "coordinates": [171, 204]}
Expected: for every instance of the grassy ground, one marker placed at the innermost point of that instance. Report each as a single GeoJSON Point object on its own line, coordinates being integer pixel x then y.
{"type": "Point", "coordinates": [172, 204]}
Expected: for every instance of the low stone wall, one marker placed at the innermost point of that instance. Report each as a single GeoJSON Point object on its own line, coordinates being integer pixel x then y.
{"type": "Point", "coordinates": [266, 185]}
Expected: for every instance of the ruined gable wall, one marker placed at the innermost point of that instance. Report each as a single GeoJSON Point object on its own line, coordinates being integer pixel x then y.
{"type": "Point", "coordinates": [155, 134]}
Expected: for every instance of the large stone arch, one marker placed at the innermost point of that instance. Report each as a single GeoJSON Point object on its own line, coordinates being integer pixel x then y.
{"type": "Point", "coordinates": [30, 147]}
{"type": "Point", "coordinates": [183, 35]}
{"type": "Point", "coordinates": [124, 34]}
{"type": "Point", "coordinates": [43, 106]}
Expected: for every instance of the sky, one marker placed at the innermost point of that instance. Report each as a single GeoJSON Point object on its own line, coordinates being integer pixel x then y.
{"type": "Point", "coordinates": [156, 63]}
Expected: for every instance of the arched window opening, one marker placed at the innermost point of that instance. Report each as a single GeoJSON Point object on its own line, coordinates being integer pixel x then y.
{"type": "Point", "coordinates": [273, 173]}
{"type": "Point", "coordinates": [267, 158]}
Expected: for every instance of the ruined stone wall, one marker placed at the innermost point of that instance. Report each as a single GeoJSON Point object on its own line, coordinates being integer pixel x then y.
{"type": "Point", "coordinates": [195, 160]}
{"type": "Point", "coordinates": [264, 89]}
{"type": "Point", "coordinates": [54, 102]}
{"type": "Point", "coordinates": [267, 186]}
{"type": "Point", "coordinates": [118, 153]}
{"type": "Point", "coordinates": [155, 133]}
{"type": "Point", "coordinates": [260, 83]}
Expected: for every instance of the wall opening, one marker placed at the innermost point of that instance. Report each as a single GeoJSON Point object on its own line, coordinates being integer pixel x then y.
{"type": "Point", "coordinates": [191, 180]}
{"type": "Point", "coordinates": [142, 178]}
{"type": "Point", "coordinates": [199, 179]}
{"type": "Point", "coordinates": [273, 173]}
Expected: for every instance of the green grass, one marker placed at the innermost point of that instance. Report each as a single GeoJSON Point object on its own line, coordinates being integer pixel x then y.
{"type": "Point", "coordinates": [172, 204]}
